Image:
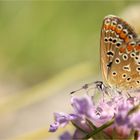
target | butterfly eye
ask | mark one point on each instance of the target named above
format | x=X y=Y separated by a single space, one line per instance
x=107 y=21
x=119 y=26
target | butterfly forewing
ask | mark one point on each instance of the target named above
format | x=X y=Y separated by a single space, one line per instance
x=120 y=60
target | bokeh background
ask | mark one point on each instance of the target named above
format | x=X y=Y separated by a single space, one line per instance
x=47 y=50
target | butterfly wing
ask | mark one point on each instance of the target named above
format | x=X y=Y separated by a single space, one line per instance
x=119 y=49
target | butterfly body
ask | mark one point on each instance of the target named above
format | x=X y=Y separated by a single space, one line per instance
x=120 y=54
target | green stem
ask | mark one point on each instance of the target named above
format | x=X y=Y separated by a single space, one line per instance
x=99 y=129
x=78 y=127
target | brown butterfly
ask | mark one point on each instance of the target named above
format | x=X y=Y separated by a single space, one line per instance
x=119 y=56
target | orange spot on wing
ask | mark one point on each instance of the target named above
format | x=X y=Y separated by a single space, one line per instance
x=129 y=48
x=107 y=27
x=122 y=35
x=127 y=39
x=118 y=31
x=113 y=28
x=137 y=47
x=122 y=50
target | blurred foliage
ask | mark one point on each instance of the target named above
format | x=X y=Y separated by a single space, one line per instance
x=40 y=39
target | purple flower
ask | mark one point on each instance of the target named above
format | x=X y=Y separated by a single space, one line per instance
x=53 y=127
x=135 y=121
x=65 y=136
x=124 y=122
x=90 y=119
x=78 y=134
x=83 y=107
x=61 y=119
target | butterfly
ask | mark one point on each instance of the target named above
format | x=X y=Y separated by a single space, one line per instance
x=119 y=54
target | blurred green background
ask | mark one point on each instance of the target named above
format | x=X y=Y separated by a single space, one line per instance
x=46 y=49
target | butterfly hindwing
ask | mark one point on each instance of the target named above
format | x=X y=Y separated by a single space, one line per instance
x=119 y=43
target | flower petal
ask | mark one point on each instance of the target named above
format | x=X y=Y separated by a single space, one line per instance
x=66 y=136
x=54 y=127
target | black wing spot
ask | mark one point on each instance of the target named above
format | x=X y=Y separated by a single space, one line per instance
x=126 y=68
x=114 y=40
x=109 y=64
x=118 y=44
x=110 y=39
x=110 y=53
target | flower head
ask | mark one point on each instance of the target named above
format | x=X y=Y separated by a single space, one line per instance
x=117 y=115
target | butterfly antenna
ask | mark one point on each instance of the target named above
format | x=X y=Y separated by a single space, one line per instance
x=76 y=91
x=83 y=87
